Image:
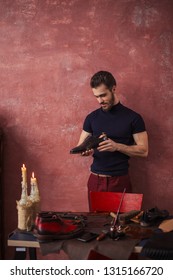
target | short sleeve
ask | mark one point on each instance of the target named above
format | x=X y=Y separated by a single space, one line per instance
x=87 y=124
x=138 y=124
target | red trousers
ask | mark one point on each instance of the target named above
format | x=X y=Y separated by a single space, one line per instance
x=108 y=184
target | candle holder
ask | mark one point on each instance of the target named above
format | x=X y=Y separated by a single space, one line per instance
x=24 y=195
x=35 y=199
x=28 y=206
x=25 y=213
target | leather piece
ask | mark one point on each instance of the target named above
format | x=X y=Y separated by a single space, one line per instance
x=77 y=250
x=166 y=225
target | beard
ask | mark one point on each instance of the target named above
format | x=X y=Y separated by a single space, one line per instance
x=107 y=106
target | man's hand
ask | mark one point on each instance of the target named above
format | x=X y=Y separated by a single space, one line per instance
x=108 y=146
x=139 y=149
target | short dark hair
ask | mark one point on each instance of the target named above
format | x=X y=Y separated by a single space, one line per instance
x=103 y=77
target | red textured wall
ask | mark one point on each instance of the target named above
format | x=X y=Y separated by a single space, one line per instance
x=48 y=52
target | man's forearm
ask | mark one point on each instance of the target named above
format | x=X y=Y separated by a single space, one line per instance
x=132 y=151
x=136 y=150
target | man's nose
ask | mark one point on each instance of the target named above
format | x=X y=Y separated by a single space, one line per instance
x=100 y=100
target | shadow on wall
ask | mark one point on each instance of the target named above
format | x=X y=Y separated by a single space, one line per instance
x=16 y=152
x=14 y=155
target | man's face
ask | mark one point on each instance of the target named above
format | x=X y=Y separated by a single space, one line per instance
x=105 y=96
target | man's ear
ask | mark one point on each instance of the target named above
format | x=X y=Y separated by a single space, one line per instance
x=114 y=88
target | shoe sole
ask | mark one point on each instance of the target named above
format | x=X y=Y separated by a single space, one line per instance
x=49 y=237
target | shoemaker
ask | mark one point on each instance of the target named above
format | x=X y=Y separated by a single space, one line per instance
x=126 y=137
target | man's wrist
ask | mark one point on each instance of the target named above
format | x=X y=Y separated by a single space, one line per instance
x=117 y=147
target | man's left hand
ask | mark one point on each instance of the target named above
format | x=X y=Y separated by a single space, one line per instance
x=108 y=146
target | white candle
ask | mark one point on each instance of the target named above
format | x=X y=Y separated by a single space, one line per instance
x=24 y=176
x=34 y=189
x=33 y=179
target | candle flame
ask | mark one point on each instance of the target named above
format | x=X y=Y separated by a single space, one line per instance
x=32 y=174
x=23 y=165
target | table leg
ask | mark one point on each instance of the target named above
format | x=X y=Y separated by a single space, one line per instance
x=32 y=253
x=20 y=253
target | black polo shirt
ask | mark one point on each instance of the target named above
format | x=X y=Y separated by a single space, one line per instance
x=119 y=123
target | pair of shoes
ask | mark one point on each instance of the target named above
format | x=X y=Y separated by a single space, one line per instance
x=153 y=216
x=91 y=142
x=51 y=226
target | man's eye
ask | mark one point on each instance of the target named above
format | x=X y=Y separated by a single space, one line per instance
x=101 y=96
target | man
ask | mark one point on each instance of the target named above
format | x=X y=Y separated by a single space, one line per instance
x=127 y=137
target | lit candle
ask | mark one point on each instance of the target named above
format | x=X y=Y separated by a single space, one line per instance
x=24 y=177
x=34 y=189
x=33 y=179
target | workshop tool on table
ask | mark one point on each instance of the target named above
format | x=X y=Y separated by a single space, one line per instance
x=125 y=218
x=137 y=218
x=115 y=230
x=102 y=235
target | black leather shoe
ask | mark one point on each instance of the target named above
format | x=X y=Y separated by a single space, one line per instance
x=91 y=142
x=153 y=216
